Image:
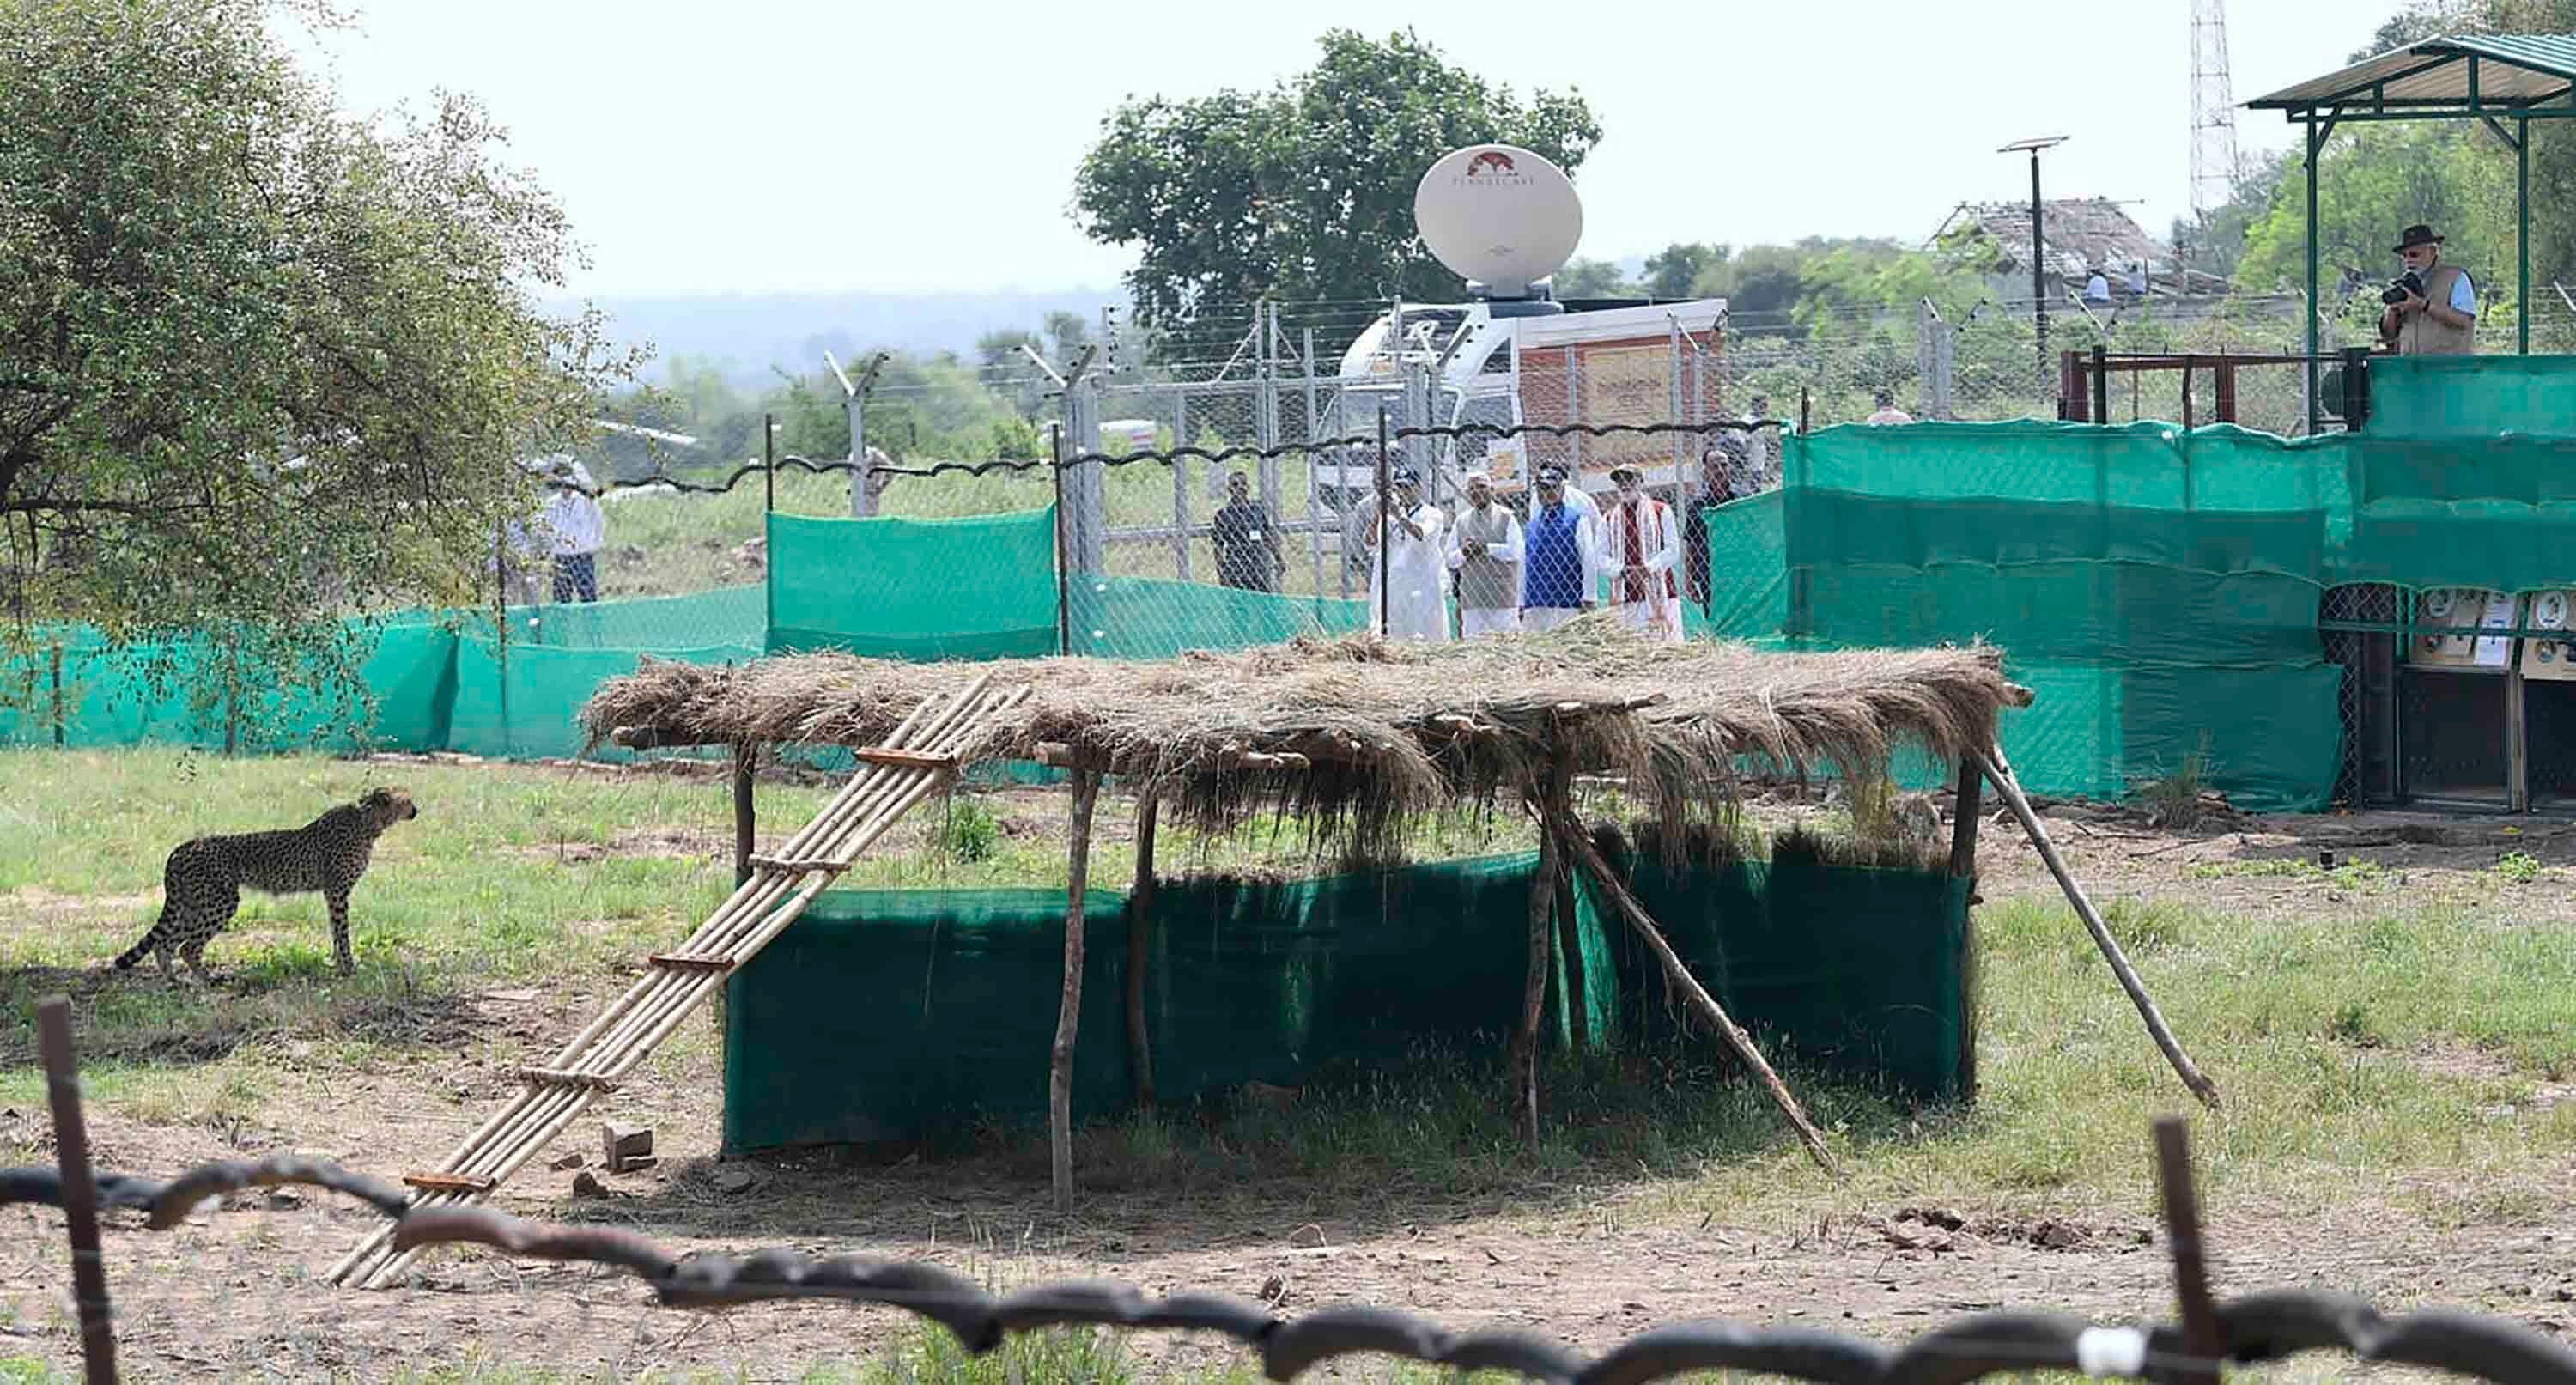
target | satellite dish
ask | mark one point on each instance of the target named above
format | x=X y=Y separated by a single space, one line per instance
x=1498 y=216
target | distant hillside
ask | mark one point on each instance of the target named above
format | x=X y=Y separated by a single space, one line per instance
x=751 y=332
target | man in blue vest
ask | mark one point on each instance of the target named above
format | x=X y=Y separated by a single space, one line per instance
x=1559 y=553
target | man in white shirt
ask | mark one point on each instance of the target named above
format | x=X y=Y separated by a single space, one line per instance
x=578 y=529
x=1641 y=545
x=1485 y=553
x=1887 y=411
x=1416 y=570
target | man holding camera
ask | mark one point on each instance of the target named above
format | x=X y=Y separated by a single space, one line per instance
x=2433 y=307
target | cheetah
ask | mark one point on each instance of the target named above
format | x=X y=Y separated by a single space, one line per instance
x=204 y=877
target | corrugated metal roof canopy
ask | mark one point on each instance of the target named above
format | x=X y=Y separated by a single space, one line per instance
x=2497 y=74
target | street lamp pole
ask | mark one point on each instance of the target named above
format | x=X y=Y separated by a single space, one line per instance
x=2038 y=252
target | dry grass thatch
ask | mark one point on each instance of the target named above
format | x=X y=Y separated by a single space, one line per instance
x=1387 y=731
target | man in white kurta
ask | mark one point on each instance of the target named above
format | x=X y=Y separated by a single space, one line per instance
x=1641 y=544
x=1417 y=568
x=1485 y=554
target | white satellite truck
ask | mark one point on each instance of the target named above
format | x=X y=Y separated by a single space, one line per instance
x=1505 y=219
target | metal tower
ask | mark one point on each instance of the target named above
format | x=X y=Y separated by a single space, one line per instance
x=2213 y=110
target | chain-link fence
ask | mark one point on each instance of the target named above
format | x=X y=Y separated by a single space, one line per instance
x=682 y=564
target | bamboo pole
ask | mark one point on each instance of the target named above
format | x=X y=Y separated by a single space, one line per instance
x=760 y=908
x=1998 y=772
x=1068 y=1015
x=1563 y=827
x=1140 y=930
x=657 y=1007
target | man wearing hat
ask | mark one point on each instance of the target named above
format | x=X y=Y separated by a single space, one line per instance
x=1416 y=571
x=2441 y=318
x=578 y=529
x=1485 y=553
x=1642 y=545
x=1559 y=551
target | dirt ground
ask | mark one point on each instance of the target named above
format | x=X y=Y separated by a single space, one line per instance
x=239 y=1290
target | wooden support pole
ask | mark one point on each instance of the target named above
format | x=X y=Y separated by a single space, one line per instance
x=1140 y=933
x=80 y=1191
x=1542 y=915
x=1967 y=805
x=2182 y=1241
x=744 y=828
x=2000 y=772
x=1564 y=829
x=1068 y=1015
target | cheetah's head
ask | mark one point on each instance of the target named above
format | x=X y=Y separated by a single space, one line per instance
x=386 y=806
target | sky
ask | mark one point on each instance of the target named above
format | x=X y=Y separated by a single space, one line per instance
x=765 y=146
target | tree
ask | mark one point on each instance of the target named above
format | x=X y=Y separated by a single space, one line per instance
x=1304 y=191
x=259 y=363
x=1761 y=281
x=1582 y=278
x=1672 y=273
x=1070 y=332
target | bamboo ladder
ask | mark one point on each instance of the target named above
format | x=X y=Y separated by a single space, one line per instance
x=913 y=763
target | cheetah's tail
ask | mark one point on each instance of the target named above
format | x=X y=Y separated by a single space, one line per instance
x=135 y=953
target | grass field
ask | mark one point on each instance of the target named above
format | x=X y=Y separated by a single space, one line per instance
x=2396 y=1041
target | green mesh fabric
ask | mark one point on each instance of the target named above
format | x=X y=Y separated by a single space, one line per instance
x=1748 y=571
x=2471 y=396
x=1158 y=618
x=107 y=698
x=2138 y=578
x=2491 y=512
x=974 y=588
x=1854 y=971
x=732 y=616
x=521 y=705
x=892 y=1015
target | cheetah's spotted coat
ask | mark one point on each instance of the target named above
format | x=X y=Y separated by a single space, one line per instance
x=204 y=877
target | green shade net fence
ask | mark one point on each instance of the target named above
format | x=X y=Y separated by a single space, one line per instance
x=2160 y=590
x=897 y=1015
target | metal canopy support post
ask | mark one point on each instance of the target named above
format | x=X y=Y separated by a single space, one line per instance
x=2522 y=235
x=2315 y=145
x=1314 y=509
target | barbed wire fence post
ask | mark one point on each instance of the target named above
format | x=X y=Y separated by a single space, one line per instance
x=854 y=400
x=79 y=1189
x=1316 y=429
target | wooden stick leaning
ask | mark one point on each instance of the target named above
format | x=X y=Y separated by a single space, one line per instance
x=1999 y=773
x=618 y=1039
x=1580 y=848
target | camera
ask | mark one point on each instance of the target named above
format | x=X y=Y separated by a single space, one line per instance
x=2401 y=287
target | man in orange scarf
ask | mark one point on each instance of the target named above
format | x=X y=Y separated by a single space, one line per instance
x=1641 y=545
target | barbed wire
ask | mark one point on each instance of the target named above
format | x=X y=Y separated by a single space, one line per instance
x=1169 y=455
x=2252 y=1329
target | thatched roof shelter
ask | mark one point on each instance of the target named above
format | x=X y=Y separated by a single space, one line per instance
x=1354 y=735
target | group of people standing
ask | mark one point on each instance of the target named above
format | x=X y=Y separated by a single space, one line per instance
x=1568 y=557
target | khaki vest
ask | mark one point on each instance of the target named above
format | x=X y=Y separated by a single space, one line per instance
x=1487 y=583
x=2420 y=335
